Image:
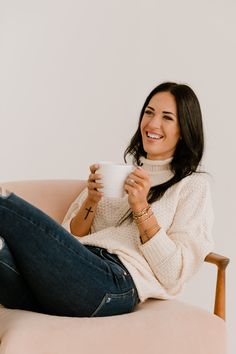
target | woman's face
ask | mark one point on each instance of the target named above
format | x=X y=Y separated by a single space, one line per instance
x=160 y=127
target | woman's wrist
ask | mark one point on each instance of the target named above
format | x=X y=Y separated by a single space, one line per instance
x=91 y=202
x=147 y=234
x=146 y=223
x=137 y=208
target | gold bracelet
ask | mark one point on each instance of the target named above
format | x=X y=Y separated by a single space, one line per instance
x=140 y=216
x=141 y=213
x=141 y=222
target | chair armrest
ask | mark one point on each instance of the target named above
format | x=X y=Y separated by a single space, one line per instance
x=221 y=262
x=217 y=259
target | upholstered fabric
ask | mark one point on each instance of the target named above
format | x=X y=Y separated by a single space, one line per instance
x=156 y=327
x=165 y=327
x=52 y=196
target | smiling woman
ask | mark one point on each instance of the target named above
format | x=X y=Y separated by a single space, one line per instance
x=97 y=263
x=170 y=126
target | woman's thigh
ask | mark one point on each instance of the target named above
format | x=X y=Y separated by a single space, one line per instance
x=123 y=297
x=65 y=277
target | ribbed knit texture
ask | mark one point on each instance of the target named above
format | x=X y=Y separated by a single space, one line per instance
x=161 y=266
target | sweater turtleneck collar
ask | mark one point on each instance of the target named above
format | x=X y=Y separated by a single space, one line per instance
x=158 y=170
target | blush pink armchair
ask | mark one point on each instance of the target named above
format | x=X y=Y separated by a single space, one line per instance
x=156 y=327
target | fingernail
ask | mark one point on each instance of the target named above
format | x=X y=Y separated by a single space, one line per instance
x=140 y=168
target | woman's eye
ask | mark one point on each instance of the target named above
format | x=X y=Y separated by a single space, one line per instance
x=168 y=118
x=148 y=112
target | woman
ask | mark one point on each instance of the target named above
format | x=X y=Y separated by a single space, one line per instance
x=112 y=253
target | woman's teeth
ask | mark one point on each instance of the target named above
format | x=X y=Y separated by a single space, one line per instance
x=154 y=136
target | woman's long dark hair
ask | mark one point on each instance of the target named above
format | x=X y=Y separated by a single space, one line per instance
x=189 y=149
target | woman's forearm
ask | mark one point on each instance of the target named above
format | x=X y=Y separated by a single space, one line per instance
x=147 y=223
x=81 y=223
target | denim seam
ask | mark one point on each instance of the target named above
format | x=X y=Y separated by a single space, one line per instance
x=114 y=296
x=54 y=237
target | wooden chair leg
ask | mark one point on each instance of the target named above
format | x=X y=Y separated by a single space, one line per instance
x=219 y=309
x=221 y=262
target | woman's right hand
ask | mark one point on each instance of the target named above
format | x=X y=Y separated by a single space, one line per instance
x=93 y=194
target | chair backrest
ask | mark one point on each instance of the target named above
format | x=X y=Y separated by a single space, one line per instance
x=52 y=196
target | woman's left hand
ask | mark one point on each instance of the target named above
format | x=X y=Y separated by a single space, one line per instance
x=137 y=185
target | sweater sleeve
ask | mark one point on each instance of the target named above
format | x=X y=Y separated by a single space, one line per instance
x=73 y=209
x=176 y=254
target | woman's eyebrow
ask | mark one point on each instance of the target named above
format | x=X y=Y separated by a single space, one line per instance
x=151 y=108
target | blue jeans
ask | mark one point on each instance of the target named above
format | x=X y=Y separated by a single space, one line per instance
x=44 y=268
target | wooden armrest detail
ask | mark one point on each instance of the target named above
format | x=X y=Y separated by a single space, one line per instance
x=221 y=262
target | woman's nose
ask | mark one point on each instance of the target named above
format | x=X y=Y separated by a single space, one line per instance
x=156 y=122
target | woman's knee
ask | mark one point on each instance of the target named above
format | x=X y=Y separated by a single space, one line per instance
x=6 y=258
x=4 y=192
x=1 y=243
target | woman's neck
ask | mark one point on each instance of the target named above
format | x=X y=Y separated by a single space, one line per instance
x=158 y=170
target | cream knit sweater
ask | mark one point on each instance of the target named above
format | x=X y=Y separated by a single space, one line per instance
x=161 y=266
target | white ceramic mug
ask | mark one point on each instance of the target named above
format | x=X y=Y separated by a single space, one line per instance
x=113 y=178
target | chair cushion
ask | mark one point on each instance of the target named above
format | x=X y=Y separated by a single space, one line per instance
x=165 y=327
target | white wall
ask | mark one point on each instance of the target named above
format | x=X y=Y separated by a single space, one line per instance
x=74 y=75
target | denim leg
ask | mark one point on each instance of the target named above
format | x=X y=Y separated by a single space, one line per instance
x=14 y=292
x=64 y=276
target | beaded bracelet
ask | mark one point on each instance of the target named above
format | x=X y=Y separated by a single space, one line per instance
x=141 y=222
x=141 y=213
x=140 y=216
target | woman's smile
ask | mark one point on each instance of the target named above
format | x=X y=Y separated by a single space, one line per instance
x=154 y=137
